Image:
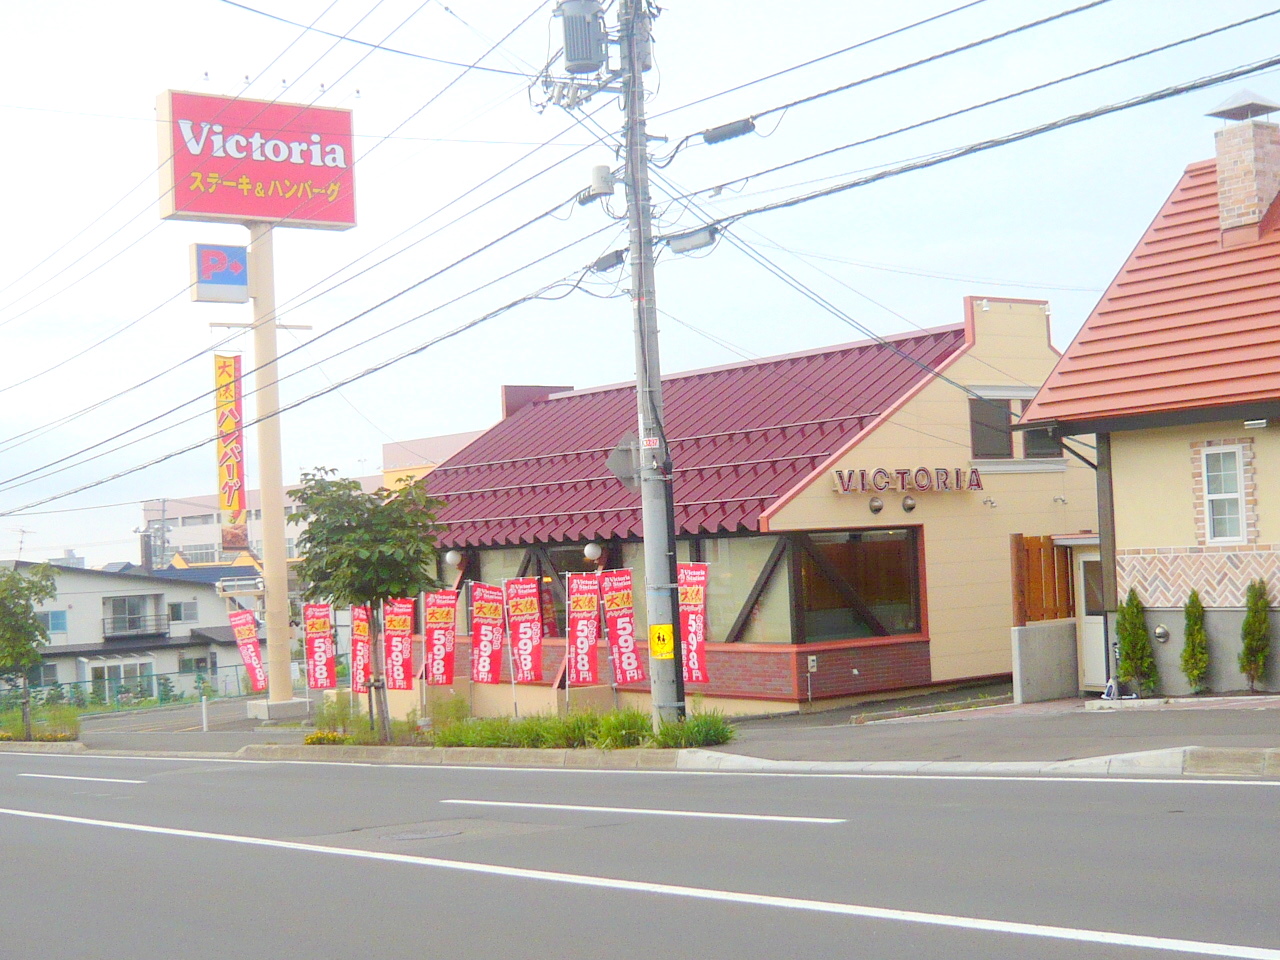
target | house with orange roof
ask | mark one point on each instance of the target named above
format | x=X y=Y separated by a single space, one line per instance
x=1177 y=373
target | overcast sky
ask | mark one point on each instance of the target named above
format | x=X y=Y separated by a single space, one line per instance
x=86 y=256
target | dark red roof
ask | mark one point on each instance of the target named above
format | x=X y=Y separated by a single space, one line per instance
x=740 y=436
x=1189 y=323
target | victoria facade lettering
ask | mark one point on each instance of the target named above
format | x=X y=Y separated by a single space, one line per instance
x=908 y=479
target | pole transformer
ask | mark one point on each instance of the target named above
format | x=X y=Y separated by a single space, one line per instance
x=666 y=678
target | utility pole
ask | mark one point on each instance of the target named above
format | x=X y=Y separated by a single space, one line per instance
x=657 y=508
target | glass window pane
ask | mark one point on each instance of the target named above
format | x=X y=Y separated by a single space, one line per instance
x=1221 y=475
x=1091 y=573
x=733 y=566
x=989 y=428
x=878 y=590
x=1039 y=443
x=1224 y=519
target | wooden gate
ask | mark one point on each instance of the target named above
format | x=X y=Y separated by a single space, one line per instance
x=1042 y=582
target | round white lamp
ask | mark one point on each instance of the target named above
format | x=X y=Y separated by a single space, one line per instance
x=453 y=558
x=593 y=551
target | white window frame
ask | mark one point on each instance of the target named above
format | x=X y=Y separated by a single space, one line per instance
x=1210 y=498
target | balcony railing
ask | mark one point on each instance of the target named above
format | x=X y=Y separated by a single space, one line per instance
x=130 y=625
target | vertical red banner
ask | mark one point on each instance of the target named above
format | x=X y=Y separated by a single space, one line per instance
x=440 y=635
x=244 y=626
x=397 y=643
x=524 y=619
x=317 y=619
x=486 y=633
x=620 y=619
x=361 y=650
x=583 y=628
x=691 y=579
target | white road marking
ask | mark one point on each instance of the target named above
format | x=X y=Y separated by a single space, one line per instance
x=1043 y=931
x=54 y=776
x=644 y=811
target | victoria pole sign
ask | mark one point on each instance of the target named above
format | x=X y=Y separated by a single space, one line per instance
x=243 y=161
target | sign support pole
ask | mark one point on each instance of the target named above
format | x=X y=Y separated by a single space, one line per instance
x=270 y=478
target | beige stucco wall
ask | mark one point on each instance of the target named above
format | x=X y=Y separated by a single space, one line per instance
x=968 y=593
x=1152 y=480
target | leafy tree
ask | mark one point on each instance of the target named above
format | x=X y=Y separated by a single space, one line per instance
x=1195 y=648
x=1255 y=632
x=363 y=548
x=1137 y=659
x=21 y=632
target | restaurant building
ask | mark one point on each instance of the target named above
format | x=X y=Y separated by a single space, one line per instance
x=854 y=505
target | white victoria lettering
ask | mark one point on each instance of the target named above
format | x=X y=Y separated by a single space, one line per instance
x=312 y=151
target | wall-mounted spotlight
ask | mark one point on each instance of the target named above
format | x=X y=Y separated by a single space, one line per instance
x=908 y=503
x=875 y=504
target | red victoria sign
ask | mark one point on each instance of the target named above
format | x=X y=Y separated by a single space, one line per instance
x=361 y=650
x=486 y=633
x=691 y=578
x=223 y=158
x=441 y=614
x=620 y=618
x=317 y=619
x=397 y=639
x=584 y=627
x=244 y=627
x=524 y=618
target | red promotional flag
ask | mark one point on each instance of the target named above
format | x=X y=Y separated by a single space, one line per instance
x=691 y=579
x=524 y=619
x=620 y=618
x=441 y=615
x=486 y=633
x=317 y=621
x=244 y=625
x=397 y=641
x=361 y=650
x=584 y=627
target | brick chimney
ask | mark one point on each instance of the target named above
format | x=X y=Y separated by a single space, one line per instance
x=1248 y=152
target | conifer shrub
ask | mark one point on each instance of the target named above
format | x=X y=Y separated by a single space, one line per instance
x=1137 y=665
x=1195 y=648
x=1255 y=633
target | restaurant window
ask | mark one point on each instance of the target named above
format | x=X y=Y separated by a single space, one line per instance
x=989 y=429
x=860 y=583
x=1224 y=495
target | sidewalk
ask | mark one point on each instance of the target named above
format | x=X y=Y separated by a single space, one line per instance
x=1218 y=736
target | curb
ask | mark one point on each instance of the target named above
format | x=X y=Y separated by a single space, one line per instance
x=27 y=746
x=467 y=756
x=1254 y=702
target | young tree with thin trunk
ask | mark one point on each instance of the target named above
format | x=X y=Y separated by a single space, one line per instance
x=1255 y=632
x=364 y=548
x=1195 y=646
x=1137 y=660
x=21 y=632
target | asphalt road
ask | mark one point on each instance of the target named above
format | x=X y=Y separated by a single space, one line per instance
x=111 y=857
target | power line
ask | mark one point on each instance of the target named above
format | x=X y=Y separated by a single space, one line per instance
x=134 y=188
x=377 y=46
x=149 y=204
x=19 y=480
x=931 y=59
x=179 y=293
x=983 y=145
x=825 y=56
x=1002 y=99
x=542 y=293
